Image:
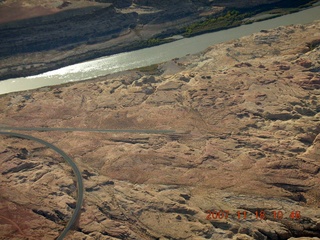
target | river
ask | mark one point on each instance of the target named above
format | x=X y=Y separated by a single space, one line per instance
x=144 y=57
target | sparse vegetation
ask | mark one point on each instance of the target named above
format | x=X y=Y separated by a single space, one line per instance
x=156 y=41
x=151 y=69
x=229 y=19
x=233 y=17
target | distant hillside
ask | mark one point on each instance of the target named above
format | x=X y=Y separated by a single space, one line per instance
x=38 y=36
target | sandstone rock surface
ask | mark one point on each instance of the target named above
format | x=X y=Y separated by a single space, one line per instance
x=247 y=139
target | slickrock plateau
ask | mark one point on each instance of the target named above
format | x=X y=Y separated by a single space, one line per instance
x=246 y=116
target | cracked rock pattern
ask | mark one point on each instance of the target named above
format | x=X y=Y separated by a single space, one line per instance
x=247 y=139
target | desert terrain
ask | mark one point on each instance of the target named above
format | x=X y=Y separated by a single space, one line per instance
x=246 y=140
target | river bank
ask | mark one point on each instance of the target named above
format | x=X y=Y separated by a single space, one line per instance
x=25 y=49
x=153 y=55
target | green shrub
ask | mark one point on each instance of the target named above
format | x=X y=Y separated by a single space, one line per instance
x=229 y=19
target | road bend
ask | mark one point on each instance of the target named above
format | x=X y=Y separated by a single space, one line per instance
x=5 y=130
x=48 y=129
x=75 y=169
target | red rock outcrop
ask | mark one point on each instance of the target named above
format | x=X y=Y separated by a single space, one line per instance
x=246 y=120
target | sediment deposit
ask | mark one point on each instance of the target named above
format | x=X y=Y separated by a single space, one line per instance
x=247 y=138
